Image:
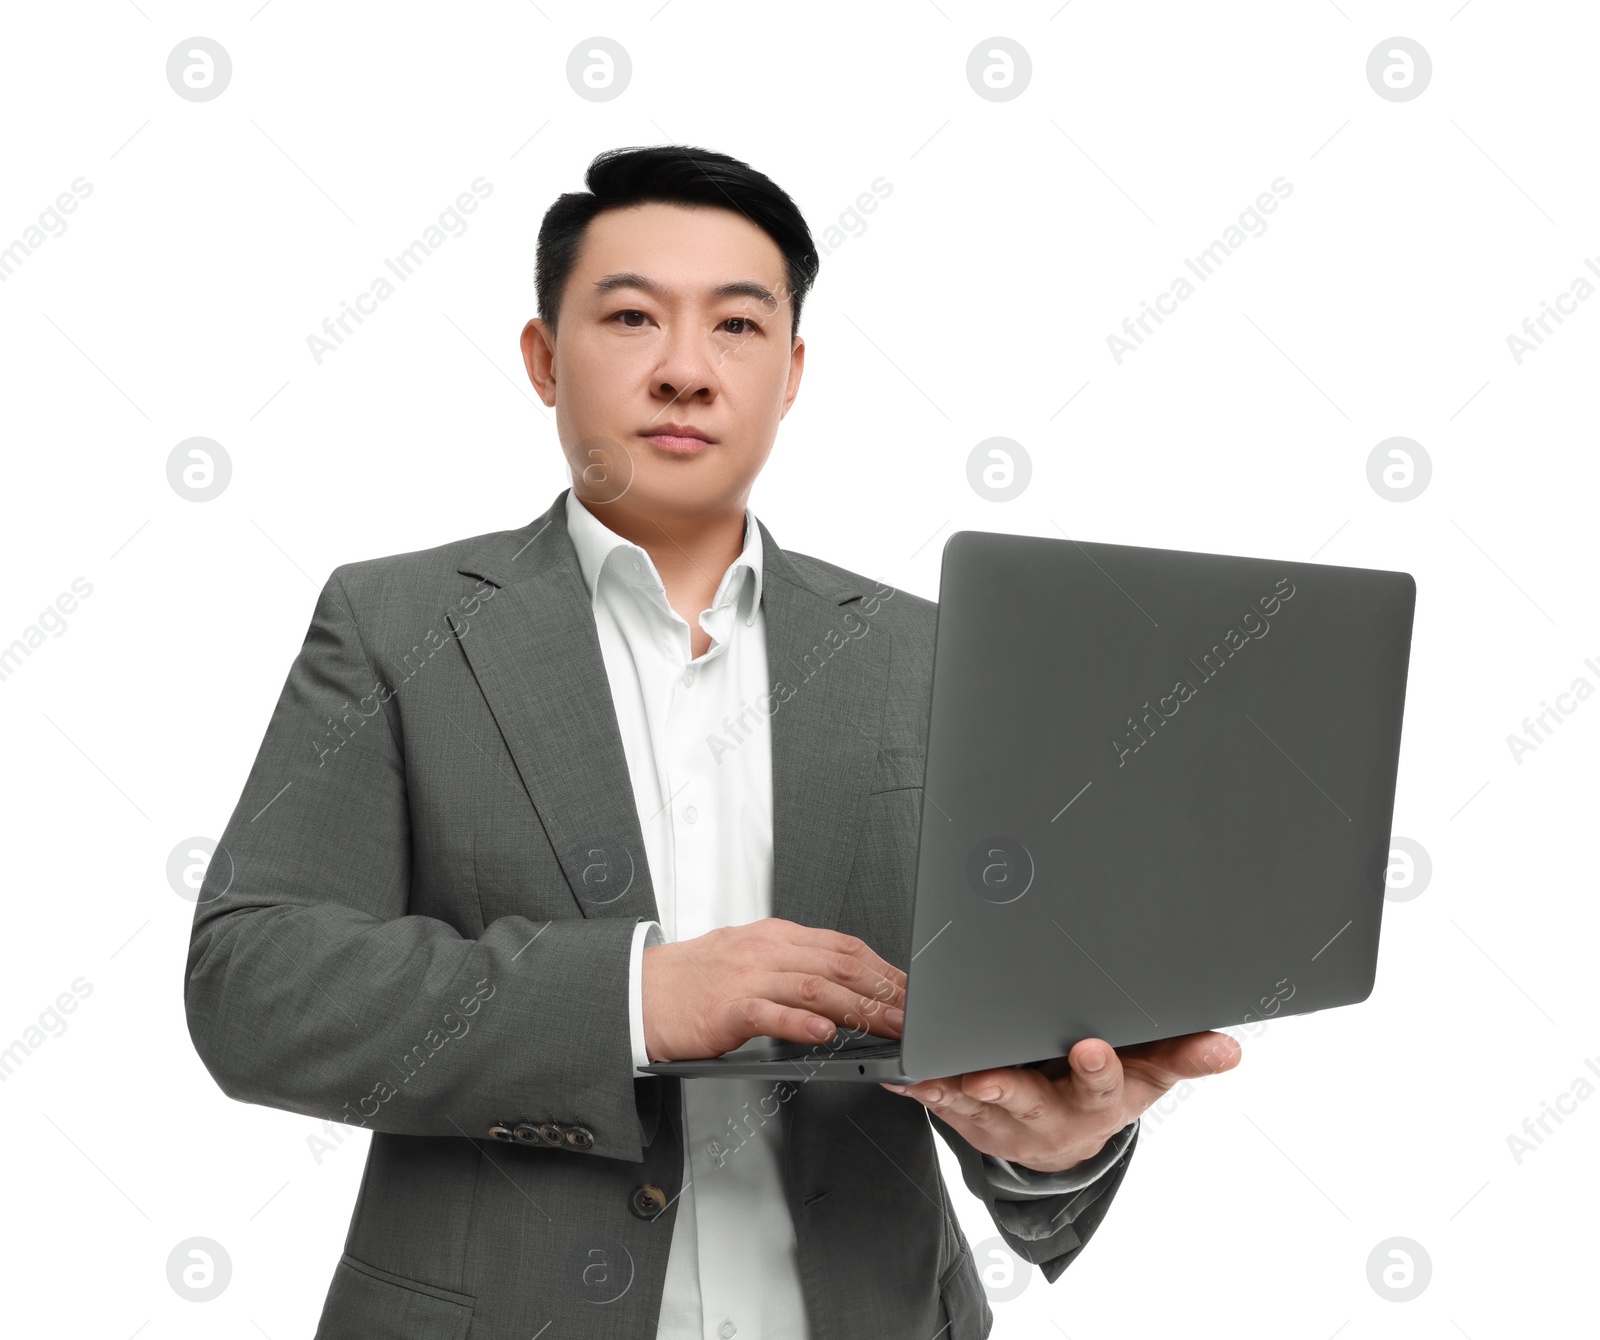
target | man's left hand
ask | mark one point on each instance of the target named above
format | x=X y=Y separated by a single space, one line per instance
x=1053 y=1117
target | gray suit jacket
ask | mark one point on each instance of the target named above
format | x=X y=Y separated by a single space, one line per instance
x=418 y=920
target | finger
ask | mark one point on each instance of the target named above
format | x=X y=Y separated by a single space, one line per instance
x=1152 y=1068
x=1208 y=1054
x=1192 y=1056
x=855 y=973
x=1023 y=1095
x=952 y=1098
x=882 y=1021
x=817 y=937
x=819 y=994
x=953 y=1106
x=754 y=1016
x=814 y=987
x=858 y=948
x=1096 y=1073
x=841 y=959
x=987 y=1126
x=929 y=1092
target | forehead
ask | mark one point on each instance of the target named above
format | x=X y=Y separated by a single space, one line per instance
x=680 y=246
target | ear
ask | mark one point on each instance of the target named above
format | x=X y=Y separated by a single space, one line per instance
x=797 y=365
x=539 y=357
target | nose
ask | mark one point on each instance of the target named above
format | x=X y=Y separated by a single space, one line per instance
x=688 y=368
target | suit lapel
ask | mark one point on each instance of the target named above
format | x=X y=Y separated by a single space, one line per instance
x=536 y=655
x=823 y=736
x=535 y=652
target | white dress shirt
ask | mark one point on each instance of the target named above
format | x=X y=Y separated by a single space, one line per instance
x=706 y=817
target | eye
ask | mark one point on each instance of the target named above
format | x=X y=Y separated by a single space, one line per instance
x=748 y=326
x=630 y=312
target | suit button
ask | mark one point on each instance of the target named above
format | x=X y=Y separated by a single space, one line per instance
x=580 y=1137
x=647 y=1200
x=526 y=1134
x=499 y=1132
x=550 y=1134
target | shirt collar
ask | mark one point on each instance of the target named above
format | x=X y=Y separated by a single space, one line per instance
x=599 y=547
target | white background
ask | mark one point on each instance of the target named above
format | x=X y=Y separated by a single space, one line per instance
x=976 y=302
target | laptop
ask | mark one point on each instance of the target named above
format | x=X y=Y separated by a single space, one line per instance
x=1157 y=800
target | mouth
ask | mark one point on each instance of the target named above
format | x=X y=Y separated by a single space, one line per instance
x=677 y=439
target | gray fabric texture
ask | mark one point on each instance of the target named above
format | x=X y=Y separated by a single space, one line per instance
x=418 y=920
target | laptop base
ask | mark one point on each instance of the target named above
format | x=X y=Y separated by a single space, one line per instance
x=850 y=1056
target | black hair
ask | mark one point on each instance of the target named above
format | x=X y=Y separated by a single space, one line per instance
x=679 y=174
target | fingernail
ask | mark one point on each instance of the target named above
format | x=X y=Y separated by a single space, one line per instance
x=989 y=1092
x=896 y=1017
x=934 y=1094
x=1095 y=1060
x=895 y=1088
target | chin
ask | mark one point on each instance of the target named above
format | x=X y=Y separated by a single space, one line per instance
x=683 y=486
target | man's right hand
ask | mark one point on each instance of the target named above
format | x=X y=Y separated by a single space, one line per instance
x=770 y=978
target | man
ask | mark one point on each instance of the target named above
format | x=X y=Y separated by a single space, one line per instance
x=630 y=783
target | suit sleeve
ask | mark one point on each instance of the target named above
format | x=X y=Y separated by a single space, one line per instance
x=1047 y=1229
x=312 y=988
x=1013 y=1181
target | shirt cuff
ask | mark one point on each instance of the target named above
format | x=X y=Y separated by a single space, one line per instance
x=1018 y=1183
x=645 y=934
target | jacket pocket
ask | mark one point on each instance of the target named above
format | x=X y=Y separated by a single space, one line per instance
x=899 y=767
x=964 y=1301
x=366 y=1303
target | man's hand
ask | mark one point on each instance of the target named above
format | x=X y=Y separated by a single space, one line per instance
x=1054 y=1117
x=771 y=978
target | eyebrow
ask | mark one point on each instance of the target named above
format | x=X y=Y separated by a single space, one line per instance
x=736 y=288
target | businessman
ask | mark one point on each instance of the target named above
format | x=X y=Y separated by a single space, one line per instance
x=631 y=783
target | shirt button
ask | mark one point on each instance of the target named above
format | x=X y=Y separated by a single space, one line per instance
x=636 y=566
x=726 y=1330
x=688 y=676
x=690 y=814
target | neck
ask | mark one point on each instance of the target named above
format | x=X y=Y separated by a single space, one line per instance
x=691 y=550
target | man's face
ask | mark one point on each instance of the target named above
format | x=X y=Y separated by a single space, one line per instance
x=673 y=318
